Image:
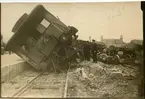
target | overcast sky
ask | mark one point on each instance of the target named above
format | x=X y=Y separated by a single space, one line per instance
x=91 y=19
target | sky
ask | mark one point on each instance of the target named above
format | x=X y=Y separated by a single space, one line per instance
x=91 y=19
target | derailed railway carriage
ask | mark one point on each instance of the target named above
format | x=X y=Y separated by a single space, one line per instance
x=43 y=40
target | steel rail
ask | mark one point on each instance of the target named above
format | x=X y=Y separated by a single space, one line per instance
x=26 y=86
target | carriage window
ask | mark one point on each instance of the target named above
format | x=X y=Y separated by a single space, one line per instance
x=42 y=26
x=45 y=23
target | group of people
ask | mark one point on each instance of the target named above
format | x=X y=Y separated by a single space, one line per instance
x=90 y=51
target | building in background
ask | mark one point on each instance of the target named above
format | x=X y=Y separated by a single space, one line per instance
x=136 y=41
x=114 y=42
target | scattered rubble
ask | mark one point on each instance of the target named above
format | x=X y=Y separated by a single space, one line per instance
x=103 y=80
x=88 y=80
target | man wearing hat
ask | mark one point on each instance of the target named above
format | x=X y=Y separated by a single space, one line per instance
x=94 y=51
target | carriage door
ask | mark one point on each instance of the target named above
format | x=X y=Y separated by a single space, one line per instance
x=35 y=53
x=47 y=42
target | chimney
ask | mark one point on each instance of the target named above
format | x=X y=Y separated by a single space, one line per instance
x=101 y=38
x=121 y=37
x=90 y=38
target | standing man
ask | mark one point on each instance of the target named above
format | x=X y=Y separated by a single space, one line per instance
x=94 y=51
x=86 y=51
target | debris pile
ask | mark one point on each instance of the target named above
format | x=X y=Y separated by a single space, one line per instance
x=103 y=80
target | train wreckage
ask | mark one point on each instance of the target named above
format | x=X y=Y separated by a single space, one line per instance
x=43 y=40
x=46 y=43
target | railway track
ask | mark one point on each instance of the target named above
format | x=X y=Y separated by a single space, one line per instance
x=45 y=85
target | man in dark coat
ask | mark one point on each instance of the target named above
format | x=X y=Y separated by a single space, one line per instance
x=86 y=51
x=94 y=51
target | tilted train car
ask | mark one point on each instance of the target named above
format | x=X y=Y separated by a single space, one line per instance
x=42 y=40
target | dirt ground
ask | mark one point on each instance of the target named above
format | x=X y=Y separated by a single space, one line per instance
x=101 y=80
x=48 y=85
x=10 y=87
x=97 y=80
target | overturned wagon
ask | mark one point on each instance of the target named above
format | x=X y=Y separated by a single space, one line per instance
x=43 y=40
